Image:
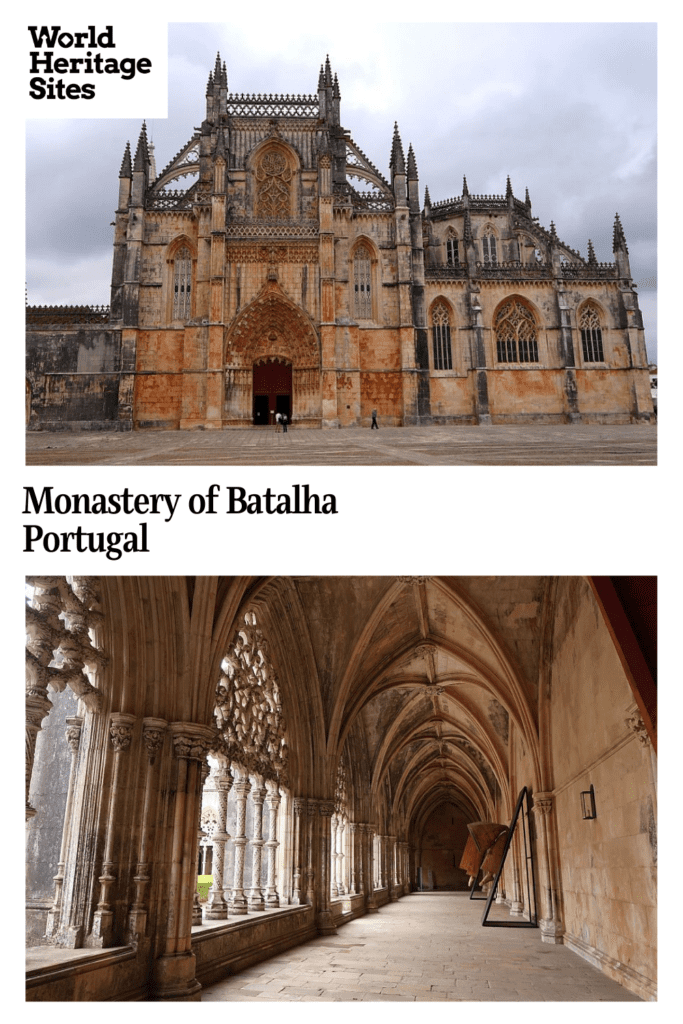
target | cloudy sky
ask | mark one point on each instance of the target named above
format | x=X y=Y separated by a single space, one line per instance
x=567 y=110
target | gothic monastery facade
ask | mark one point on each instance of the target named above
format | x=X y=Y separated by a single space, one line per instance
x=271 y=267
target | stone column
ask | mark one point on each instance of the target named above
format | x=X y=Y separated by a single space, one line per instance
x=196 y=904
x=354 y=836
x=550 y=922
x=325 y=920
x=299 y=807
x=258 y=793
x=393 y=868
x=121 y=733
x=217 y=907
x=174 y=969
x=238 y=901
x=368 y=851
x=153 y=730
x=38 y=706
x=273 y=801
x=73 y=737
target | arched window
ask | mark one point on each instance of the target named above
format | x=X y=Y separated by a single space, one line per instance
x=488 y=246
x=452 y=254
x=182 y=284
x=441 y=337
x=591 y=335
x=516 y=336
x=362 y=273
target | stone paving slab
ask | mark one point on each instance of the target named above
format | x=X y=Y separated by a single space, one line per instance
x=571 y=445
x=455 y=960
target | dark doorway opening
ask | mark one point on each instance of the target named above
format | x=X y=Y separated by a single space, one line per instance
x=272 y=391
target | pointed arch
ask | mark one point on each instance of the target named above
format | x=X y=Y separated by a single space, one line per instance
x=590 y=319
x=441 y=318
x=181 y=264
x=515 y=324
x=364 y=262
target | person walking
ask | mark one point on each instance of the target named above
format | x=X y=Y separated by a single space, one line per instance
x=284 y=423
x=278 y=421
x=374 y=425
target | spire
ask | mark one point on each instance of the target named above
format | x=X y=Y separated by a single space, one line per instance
x=141 y=162
x=224 y=76
x=321 y=78
x=508 y=189
x=428 y=202
x=126 y=168
x=619 y=240
x=591 y=252
x=328 y=71
x=527 y=200
x=335 y=90
x=209 y=85
x=397 y=162
x=412 y=165
x=553 y=232
x=217 y=70
x=465 y=190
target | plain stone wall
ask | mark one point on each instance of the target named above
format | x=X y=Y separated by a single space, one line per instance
x=608 y=864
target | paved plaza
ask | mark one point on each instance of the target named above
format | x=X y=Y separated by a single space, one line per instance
x=571 y=445
x=428 y=946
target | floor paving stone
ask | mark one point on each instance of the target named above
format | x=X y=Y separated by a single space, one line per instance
x=571 y=444
x=455 y=960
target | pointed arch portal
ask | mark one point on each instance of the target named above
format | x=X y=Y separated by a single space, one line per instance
x=272 y=363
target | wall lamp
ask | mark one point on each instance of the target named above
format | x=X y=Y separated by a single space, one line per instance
x=588 y=804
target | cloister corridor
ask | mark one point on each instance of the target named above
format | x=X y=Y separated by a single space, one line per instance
x=429 y=946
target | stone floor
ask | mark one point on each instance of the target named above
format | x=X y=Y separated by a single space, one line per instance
x=573 y=445
x=428 y=946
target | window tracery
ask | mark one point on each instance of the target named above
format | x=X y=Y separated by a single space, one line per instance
x=441 y=337
x=362 y=273
x=516 y=334
x=182 y=284
x=273 y=186
x=488 y=245
x=591 y=335
x=452 y=252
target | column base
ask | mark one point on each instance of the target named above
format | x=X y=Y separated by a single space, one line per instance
x=516 y=908
x=552 y=932
x=325 y=923
x=174 y=979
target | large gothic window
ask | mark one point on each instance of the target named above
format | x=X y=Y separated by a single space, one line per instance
x=441 y=335
x=273 y=186
x=516 y=335
x=182 y=284
x=452 y=255
x=591 y=335
x=488 y=245
x=362 y=273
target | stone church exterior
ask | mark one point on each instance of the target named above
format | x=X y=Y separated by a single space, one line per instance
x=271 y=267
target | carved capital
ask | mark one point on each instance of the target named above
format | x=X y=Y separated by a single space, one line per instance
x=73 y=733
x=153 y=730
x=121 y=730
x=543 y=802
x=325 y=808
x=191 y=741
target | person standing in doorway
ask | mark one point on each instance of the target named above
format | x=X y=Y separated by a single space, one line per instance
x=284 y=423
x=278 y=420
x=374 y=425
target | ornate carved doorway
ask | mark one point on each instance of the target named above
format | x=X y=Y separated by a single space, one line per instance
x=272 y=390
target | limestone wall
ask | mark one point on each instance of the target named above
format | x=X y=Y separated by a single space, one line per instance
x=608 y=865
